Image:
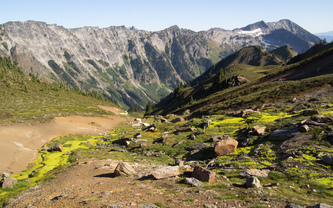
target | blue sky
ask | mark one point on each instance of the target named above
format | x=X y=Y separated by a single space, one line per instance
x=153 y=15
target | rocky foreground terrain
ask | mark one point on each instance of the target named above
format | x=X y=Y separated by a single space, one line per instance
x=275 y=155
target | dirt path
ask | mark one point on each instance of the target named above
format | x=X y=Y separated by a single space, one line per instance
x=93 y=184
x=19 y=143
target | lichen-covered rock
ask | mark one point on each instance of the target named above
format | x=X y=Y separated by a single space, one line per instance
x=225 y=146
x=283 y=134
x=254 y=172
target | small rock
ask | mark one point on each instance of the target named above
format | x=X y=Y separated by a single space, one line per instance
x=131 y=204
x=137 y=120
x=163 y=120
x=292 y=100
x=210 y=206
x=178 y=119
x=8 y=182
x=116 y=205
x=124 y=169
x=205 y=124
x=252 y=182
x=327 y=160
x=321 y=119
x=105 y=193
x=313 y=99
x=187 y=111
x=310 y=112
x=5 y=175
x=203 y=174
x=166 y=172
x=56 y=148
x=292 y=205
x=136 y=125
x=179 y=162
x=321 y=205
x=194 y=182
x=271 y=184
x=257 y=130
x=255 y=172
x=148 y=205
x=304 y=128
x=192 y=136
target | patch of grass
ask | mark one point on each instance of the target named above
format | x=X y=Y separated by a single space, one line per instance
x=188 y=200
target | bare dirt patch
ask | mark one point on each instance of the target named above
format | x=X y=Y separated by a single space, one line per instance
x=19 y=142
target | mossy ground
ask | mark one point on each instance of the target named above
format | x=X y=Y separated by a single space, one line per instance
x=294 y=175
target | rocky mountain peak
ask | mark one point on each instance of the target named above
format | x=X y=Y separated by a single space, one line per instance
x=132 y=66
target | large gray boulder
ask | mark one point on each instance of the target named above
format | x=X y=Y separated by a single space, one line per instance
x=283 y=134
x=166 y=172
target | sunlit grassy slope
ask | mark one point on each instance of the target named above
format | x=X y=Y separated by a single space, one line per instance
x=27 y=98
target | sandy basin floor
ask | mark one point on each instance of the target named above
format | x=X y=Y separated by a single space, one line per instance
x=19 y=143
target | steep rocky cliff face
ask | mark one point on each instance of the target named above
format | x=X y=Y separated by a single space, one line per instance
x=132 y=66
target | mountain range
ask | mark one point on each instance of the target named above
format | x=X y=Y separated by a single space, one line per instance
x=130 y=66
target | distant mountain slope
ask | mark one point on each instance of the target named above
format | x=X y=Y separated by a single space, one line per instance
x=328 y=36
x=132 y=67
x=253 y=55
x=246 y=85
x=284 y=53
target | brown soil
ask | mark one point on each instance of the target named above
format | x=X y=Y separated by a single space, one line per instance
x=19 y=142
x=93 y=184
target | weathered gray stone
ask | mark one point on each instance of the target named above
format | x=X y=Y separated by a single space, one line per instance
x=124 y=169
x=205 y=124
x=166 y=172
x=295 y=142
x=254 y=172
x=210 y=206
x=252 y=182
x=56 y=148
x=327 y=159
x=321 y=205
x=304 y=128
x=257 y=130
x=283 y=134
x=225 y=146
x=310 y=112
x=321 y=119
x=203 y=174
x=8 y=182
x=178 y=119
x=194 y=182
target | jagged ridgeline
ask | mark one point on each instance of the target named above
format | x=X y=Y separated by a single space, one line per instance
x=132 y=67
